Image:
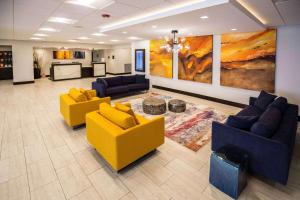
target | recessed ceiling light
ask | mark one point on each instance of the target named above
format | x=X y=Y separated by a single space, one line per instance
x=62 y=20
x=114 y=40
x=73 y=40
x=41 y=35
x=85 y=3
x=204 y=17
x=99 y=34
x=35 y=38
x=154 y=26
x=124 y=32
x=134 y=38
x=100 y=42
x=83 y=38
x=233 y=29
x=48 y=29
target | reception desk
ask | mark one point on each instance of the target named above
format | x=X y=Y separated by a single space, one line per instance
x=65 y=71
x=99 y=69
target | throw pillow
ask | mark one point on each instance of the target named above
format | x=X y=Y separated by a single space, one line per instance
x=86 y=93
x=241 y=122
x=119 y=118
x=263 y=100
x=280 y=103
x=126 y=109
x=77 y=95
x=268 y=122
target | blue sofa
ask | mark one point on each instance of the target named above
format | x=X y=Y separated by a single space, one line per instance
x=269 y=156
x=120 y=85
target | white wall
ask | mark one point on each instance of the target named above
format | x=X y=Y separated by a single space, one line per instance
x=287 y=71
x=23 y=55
x=45 y=57
x=122 y=54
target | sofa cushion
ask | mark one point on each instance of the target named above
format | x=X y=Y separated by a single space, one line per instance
x=140 y=78
x=263 y=100
x=280 y=103
x=250 y=111
x=77 y=95
x=128 y=79
x=113 y=81
x=268 y=122
x=138 y=86
x=117 y=90
x=241 y=122
x=126 y=109
x=119 y=118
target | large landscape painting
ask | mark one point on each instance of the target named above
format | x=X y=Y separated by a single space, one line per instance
x=160 y=59
x=248 y=60
x=195 y=59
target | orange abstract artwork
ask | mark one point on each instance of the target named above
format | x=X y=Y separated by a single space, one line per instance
x=248 y=60
x=160 y=59
x=62 y=55
x=195 y=59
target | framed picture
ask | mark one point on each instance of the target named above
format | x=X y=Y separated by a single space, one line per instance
x=140 y=60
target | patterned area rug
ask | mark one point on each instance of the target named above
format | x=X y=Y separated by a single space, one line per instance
x=191 y=129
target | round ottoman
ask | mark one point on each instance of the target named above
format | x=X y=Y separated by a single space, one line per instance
x=177 y=105
x=154 y=106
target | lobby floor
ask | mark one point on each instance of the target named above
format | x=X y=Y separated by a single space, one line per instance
x=42 y=158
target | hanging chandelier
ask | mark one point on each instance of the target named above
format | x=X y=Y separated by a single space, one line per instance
x=175 y=44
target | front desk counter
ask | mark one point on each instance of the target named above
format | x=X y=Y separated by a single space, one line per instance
x=65 y=71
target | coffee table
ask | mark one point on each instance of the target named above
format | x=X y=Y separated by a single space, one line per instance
x=154 y=106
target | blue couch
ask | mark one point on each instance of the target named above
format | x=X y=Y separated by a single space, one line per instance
x=269 y=156
x=120 y=85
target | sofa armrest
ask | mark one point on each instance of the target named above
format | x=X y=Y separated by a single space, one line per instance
x=140 y=140
x=268 y=157
x=100 y=89
x=252 y=101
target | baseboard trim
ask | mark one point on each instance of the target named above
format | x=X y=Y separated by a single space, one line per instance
x=226 y=102
x=118 y=73
x=22 y=82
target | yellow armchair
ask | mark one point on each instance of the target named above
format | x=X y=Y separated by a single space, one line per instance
x=121 y=147
x=74 y=112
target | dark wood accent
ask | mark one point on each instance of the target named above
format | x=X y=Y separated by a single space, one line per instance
x=226 y=102
x=37 y=73
x=6 y=73
x=104 y=68
x=87 y=72
x=23 y=82
x=124 y=73
x=144 y=63
x=298 y=118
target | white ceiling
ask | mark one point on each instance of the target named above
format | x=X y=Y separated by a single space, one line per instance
x=20 y=19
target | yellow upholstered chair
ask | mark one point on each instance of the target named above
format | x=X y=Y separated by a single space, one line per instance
x=77 y=103
x=117 y=137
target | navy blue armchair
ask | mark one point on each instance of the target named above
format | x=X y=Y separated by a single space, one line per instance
x=120 y=85
x=268 y=157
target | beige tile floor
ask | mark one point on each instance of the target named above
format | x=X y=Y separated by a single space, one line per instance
x=41 y=158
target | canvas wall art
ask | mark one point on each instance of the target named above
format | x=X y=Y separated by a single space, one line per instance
x=248 y=60
x=160 y=59
x=195 y=59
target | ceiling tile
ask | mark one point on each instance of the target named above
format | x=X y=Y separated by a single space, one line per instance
x=141 y=4
x=119 y=10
